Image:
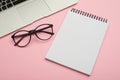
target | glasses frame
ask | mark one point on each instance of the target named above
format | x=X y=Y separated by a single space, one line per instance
x=31 y=32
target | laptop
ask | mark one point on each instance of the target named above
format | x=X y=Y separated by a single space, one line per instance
x=15 y=14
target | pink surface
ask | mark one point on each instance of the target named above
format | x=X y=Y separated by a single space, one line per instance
x=29 y=63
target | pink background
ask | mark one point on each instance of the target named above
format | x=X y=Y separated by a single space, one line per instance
x=29 y=63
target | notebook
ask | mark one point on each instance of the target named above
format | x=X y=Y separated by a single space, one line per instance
x=78 y=41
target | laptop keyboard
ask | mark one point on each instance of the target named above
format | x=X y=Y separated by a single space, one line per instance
x=5 y=4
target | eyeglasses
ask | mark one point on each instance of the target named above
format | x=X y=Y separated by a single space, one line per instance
x=23 y=37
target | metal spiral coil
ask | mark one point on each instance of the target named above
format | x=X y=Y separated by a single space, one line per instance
x=89 y=15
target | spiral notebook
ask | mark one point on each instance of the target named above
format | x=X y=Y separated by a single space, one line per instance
x=78 y=41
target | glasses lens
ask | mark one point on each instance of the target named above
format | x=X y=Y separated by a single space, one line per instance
x=22 y=38
x=44 y=32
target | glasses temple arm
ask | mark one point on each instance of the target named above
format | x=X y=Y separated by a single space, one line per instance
x=51 y=33
x=21 y=35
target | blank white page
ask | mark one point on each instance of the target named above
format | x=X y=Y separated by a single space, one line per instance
x=78 y=41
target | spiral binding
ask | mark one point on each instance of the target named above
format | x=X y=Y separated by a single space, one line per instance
x=89 y=15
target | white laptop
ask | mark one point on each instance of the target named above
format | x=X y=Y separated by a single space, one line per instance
x=15 y=14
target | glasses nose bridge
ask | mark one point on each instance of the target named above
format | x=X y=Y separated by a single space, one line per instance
x=32 y=31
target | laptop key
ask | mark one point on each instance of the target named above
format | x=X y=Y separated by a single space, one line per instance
x=0 y=9
x=4 y=7
x=3 y=3
x=9 y=5
x=7 y=1
x=13 y=0
x=0 y=4
x=18 y=1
